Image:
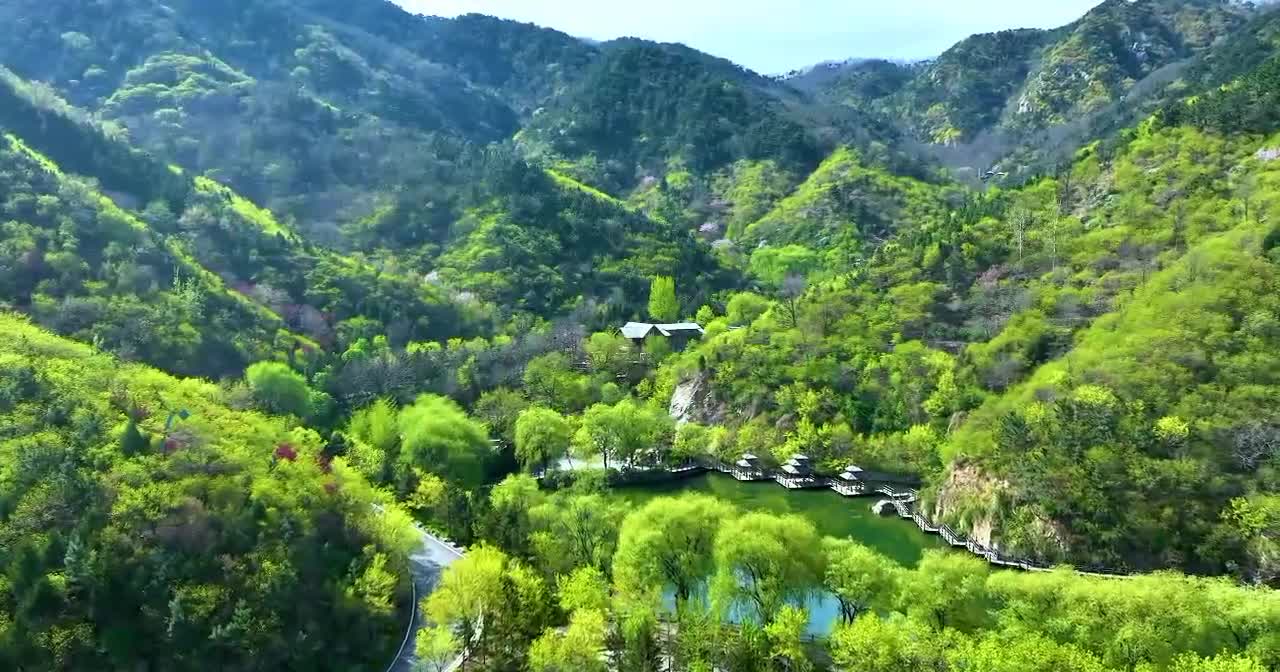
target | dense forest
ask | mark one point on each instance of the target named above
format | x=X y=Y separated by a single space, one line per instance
x=281 y=278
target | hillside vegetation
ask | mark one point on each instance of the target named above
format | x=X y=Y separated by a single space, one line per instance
x=392 y=253
x=133 y=538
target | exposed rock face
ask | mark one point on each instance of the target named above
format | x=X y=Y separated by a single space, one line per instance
x=968 y=497
x=969 y=500
x=694 y=401
x=1268 y=154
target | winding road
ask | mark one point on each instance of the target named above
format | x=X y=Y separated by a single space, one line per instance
x=427 y=564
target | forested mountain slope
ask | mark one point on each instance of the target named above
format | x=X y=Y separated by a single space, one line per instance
x=133 y=537
x=187 y=275
x=417 y=237
x=995 y=96
x=1082 y=363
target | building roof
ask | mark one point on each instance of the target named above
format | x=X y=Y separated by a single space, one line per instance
x=642 y=329
x=680 y=327
x=636 y=329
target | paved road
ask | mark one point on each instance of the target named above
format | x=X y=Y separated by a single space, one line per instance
x=427 y=563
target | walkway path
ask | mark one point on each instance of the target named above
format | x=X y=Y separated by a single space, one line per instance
x=427 y=564
x=904 y=502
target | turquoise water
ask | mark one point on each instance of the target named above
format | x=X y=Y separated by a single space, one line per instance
x=832 y=514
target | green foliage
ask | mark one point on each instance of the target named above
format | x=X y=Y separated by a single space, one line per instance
x=577 y=648
x=628 y=433
x=764 y=562
x=643 y=104
x=663 y=305
x=376 y=436
x=279 y=389
x=550 y=380
x=542 y=436
x=437 y=436
x=165 y=544
x=858 y=577
x=669 y=544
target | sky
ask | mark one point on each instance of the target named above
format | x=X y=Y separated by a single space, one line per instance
x=775 y=36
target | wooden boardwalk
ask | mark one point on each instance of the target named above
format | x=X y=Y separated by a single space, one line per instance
x=904 y=502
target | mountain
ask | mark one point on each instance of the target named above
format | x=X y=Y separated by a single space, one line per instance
x=996 y=93
x=148 y=262
x=402 y=246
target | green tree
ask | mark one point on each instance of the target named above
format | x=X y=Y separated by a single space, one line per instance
x=279 y=389
x=627 y=432
x=948 y=590
x=435 y=648
x=670 y=543
x=550 y=381
x=1015 y=651
x=764 y=561
x=860 y=578
x=786 y=640
x=663 y=305
x=438 y=437
x=468 y=590
x=586 y=588
x=773 y=265
x=542 y=436
x=580 y=648
x=610 y=352
x=499 y=409
x=574 y=530
x=132 y=440
x=893 y=644
x=375 y=434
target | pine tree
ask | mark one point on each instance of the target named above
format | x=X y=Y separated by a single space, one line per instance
x=663 y=305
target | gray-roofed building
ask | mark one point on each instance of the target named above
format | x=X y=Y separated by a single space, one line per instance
x=679 y=333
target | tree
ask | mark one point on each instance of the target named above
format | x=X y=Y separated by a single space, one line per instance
x=745 y=307
x=860 y=578
x=579 y=649
x=610 y=353
x=132 y=440
x=573 y=530
x=786 y=640
x=894 y=644
x=438 y=437
x=1015 y=651
x=586 y=588
x=947 y=590
x=774 y=265
x=499 y=409
x=542 y=435
x=435 y=648
x=669 y=543
x=764 y=561
x=627 y=431
x=507 y=522
x=468 y=590
x=279 y=389
x=663 y=305
x=550 y=381
x=376 y=434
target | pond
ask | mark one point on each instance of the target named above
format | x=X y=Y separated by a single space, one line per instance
x=832 y=514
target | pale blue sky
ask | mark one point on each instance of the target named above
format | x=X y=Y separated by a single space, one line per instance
x=773 y=36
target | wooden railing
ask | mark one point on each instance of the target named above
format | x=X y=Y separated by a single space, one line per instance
x=903 y=501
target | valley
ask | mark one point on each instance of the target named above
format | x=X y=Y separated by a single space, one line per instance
x=280 y=278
